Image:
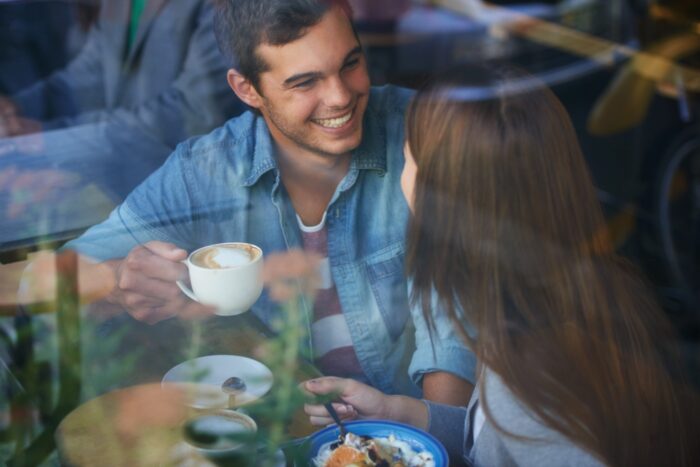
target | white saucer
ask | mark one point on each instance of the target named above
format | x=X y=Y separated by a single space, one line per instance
x=203 y=376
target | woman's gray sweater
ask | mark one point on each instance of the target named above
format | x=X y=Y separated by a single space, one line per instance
x=455 y=428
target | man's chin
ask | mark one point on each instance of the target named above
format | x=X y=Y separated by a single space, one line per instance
x=339 y=148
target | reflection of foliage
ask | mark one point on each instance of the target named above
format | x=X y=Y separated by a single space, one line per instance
x=283 y=356
x=32 y=446
x=69 y=344
x=108 y=365
x=51 y=341
x=274 y=414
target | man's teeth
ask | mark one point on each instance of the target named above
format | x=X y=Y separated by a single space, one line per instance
x=335 y=122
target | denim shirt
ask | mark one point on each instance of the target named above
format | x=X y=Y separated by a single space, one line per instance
x=225 y=187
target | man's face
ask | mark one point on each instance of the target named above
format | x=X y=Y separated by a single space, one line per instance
x=315 y=91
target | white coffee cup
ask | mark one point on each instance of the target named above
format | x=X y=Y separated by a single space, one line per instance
x=232 y=286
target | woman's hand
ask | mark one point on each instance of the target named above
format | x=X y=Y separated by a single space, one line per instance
x=359 y=401
x=354 y=400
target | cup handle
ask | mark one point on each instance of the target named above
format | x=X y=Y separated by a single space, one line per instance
x=186 y=290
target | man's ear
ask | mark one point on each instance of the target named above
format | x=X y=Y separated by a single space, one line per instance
x=244 y=89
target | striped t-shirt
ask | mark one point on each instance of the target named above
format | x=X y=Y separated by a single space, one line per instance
x=334 y=353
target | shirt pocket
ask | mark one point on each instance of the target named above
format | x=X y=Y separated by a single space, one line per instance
x=388 y=283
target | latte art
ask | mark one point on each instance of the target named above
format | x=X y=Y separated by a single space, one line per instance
x=225 y=256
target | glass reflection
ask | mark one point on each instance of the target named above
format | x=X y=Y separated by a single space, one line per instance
x=93 y=101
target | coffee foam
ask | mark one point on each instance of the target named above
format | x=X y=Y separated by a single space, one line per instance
x=225 y=256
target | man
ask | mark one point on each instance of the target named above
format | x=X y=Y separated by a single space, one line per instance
x=316 y=165
x=147 y=78
x=152 y=64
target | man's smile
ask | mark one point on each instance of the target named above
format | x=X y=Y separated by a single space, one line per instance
x=335 y=122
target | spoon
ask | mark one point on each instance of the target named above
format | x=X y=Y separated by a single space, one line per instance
x=334 y=415
x=233 y=386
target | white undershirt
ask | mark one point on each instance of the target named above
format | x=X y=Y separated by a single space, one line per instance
x=479 y=420
x=324 y=267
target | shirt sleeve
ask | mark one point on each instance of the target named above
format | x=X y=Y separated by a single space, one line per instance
x=449 y=425
x=78 y=87
x=161 y=208
x=197 y=100
x=443 y=350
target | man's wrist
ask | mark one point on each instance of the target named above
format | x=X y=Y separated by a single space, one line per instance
x=113 y=295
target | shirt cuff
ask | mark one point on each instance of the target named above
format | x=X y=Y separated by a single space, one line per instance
x=459 y=361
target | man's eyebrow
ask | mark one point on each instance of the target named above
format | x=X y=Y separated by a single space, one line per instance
x=317 y=74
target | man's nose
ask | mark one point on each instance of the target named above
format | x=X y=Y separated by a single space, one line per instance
x=338 y=93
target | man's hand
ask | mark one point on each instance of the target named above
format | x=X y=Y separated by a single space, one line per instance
x=145 y=284
x=358 y=400
x=11 y=121
x=9 y=117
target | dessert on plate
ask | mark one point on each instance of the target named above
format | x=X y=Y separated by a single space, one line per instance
x=366 y=451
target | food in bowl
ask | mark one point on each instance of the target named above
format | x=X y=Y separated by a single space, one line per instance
x=367 y=451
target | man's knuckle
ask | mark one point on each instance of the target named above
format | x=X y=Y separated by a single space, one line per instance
x=132 y=301
x=134 y=260
x=124 y=282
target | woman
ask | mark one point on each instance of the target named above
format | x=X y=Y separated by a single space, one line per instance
x=507 y=232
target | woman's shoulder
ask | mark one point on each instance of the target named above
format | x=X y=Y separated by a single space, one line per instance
x=526 y=440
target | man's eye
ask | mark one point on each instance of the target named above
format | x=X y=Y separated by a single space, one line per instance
x=351 y=64
x=305 y=84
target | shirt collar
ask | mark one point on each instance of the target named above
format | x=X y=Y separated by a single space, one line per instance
x=371 y=154
x=263 y=152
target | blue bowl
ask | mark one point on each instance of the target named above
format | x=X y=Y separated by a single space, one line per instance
x=418 y=440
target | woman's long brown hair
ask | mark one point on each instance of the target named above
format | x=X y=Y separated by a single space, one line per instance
x=508 y=232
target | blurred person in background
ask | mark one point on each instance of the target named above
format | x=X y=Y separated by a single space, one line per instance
x=40 y=37
x=578 y=365
x=376 y=23
x=378 y=16
x=149 y=76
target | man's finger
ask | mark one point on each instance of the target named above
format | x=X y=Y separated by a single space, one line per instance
x=148 y=287
x=137 y=301
x=166 y=250
x=156 y=267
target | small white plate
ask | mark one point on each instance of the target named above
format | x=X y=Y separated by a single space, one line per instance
x=202 y=378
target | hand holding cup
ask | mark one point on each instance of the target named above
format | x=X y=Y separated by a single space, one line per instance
x=145 y=283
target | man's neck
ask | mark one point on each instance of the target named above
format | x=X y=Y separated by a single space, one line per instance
x=311 y=180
